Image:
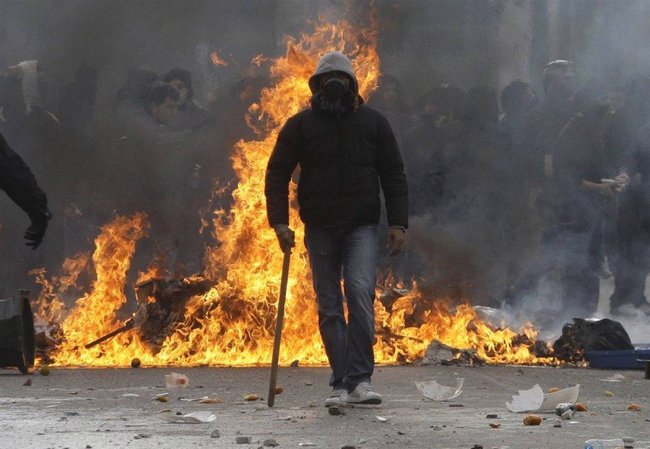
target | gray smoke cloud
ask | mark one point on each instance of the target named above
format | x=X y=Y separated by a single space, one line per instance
x=459 y=249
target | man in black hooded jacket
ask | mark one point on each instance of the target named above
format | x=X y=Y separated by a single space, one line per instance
x=346 y=152
x=18 y=182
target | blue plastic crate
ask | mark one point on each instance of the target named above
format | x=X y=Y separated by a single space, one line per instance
x=628 y=359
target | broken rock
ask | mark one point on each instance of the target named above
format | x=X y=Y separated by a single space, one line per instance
x=532 y=420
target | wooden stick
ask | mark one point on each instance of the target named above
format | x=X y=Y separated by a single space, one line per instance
x=128 y=325
x=278 y=327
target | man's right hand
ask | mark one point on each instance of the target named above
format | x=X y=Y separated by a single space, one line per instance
x=286 y=237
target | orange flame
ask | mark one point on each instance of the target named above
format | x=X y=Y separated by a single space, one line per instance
x=232 y=324
x=50 y=306
x=216 y=59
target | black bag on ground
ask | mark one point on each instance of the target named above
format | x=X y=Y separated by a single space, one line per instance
x=583 y=336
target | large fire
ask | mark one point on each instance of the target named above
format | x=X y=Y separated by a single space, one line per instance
x=232 y=323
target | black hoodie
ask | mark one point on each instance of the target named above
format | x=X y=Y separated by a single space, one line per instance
x=344 y=160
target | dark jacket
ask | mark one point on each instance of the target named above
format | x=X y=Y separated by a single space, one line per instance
x=17 y=180
x=579 y=156
x=344 y=161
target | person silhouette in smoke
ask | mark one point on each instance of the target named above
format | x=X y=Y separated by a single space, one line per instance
x=346 y=151
x=18 y=182
x=534 y=143
x=191 y=115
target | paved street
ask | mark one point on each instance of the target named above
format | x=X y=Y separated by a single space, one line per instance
x=79 y=408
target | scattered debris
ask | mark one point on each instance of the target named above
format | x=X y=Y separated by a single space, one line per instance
x=156 y=320
x=617 y=443
x=527 y=400
x=204 y=400
x=243 y=440
x=71 y=414
x=532 y=420
x=477 y=446
x=554 y=389
x=534 y=399
x=215 y=434
x=440 y=354
x=434 y=391
x=135 y=362
x=28 y=383
x=284 y=418
x=557 y=423
x=270 y=443
x=190 y=418
x=279 y=390
x=456 y=405
x=162 y=398
x=130 y=395
x=142 y=436
x=580 y=407
x=565 y=410
x=335 y=410
x=492 y=416
x=251 y=397
x=381 y=418
x=618 y=377
x=175 y=381
x=634 y=407
x=306 y=444
x=609 y=394
x=348 y=446
x=295 y=363
x=495 y=425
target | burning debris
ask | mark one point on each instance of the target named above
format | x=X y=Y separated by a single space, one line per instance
x=440 y=354
x=162 y=305
x=228 y=319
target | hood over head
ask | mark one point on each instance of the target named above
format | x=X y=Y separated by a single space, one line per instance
x=333 y=61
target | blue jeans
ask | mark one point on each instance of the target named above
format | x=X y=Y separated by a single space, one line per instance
x=350 y=253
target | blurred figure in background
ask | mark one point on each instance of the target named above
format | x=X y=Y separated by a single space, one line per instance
x=579 y=167
x=517 y=99
x=391 y=101
x=633 y=233
x=191 y=115
x=534 y=143
x=77 y=103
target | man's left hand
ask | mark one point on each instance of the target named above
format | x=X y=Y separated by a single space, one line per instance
x=396 y=239
x=36 y=230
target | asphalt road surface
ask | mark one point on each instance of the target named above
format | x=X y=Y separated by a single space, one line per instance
x=108 y=408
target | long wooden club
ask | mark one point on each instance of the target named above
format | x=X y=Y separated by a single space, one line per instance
x=278 y=327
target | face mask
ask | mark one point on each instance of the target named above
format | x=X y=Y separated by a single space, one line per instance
x=335 y=89
x=182 y=97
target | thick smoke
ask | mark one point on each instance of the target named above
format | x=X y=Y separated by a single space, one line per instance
x=444 y=64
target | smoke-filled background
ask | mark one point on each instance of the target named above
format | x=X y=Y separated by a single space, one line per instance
x=477 y=231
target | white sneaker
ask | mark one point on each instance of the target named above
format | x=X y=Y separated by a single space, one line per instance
x=338 y=397
x=363 y=394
